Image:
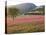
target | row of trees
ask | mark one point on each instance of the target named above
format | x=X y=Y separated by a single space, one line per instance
x=13 y=12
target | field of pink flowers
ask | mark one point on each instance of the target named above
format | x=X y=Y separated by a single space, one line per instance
x=26 y=19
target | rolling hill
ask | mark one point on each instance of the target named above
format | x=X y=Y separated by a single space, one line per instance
x=24 y=7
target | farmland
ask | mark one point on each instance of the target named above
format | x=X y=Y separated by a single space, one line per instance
x=29 y=23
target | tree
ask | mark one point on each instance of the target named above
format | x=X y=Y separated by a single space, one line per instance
x=13 y=12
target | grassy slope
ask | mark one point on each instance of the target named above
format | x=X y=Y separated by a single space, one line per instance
x=25 y=27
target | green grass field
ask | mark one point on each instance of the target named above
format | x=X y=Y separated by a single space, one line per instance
x=25 y=28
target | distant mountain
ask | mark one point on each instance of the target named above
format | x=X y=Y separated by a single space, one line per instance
x=39 y=8
x=24 y=7
x=28 y=7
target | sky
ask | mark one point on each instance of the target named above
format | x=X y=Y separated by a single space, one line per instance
x=15 y=2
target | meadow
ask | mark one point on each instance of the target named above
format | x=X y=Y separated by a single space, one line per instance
x=26 y=24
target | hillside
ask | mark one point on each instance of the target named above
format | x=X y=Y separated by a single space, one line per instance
x=24 y=7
